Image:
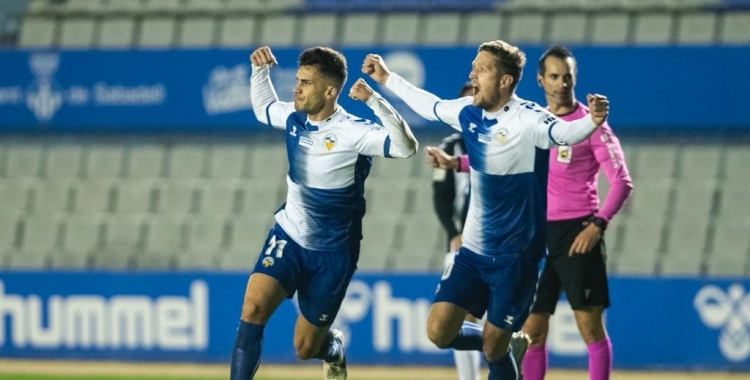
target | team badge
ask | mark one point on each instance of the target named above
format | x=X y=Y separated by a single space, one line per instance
x=564 y=154
x=267 y=262
x=502 y=135
x=330 y=142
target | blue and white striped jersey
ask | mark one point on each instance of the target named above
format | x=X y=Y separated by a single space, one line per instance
x=329 y=161
x=509 y=161
x=328 y=164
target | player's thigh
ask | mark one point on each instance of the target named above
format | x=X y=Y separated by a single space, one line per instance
x=328 y=274
x=461 y=285
x=537 y=326
x=444 y=322
x=512 y=282
x=263 y=294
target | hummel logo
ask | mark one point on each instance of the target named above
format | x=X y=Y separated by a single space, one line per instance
x=472 y=127
x=508 y=319
x=323 y=317
x=294 y=131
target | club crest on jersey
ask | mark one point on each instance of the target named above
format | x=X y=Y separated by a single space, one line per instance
x=502 y=135
x=564 y=154
x=267 y=262
x=330 y=142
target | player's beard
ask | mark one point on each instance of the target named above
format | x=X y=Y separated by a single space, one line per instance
x=308 y=106
x=487 y=100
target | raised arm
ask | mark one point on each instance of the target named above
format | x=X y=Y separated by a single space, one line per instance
x=403 y=144
x=550 y=130
x=266 y=105
x=425 y=104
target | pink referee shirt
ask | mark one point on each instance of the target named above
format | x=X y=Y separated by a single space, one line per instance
x=573 y=171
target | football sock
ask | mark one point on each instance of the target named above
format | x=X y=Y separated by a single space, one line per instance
x=246 y=352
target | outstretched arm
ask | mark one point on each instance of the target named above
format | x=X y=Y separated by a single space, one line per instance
x=550 y=130
x=403 y=142
x=422 y=102
x=262 y=94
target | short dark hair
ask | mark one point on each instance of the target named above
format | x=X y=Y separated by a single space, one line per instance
x=511 y=59
x=557 y=52
x=331 y=63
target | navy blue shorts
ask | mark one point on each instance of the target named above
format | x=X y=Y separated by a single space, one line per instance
x=504 y=286
x=320 y=277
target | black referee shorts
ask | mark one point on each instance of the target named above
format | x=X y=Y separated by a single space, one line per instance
x=583 y=277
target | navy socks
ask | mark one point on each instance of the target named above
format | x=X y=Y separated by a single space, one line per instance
x=246 y=352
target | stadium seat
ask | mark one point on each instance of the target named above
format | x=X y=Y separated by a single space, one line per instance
x=154 y=261
x=162 y=6
x=207 y=236
x=379 y=231
x=52 y=195
x=40 y=233
x=233 y=6
x=685 y=246
x=77 y=32
x=196 y=261
x=653 y=28
x=104 y=161
x=568 y=28
x=318 y=29
x=699 y=163
x=734 y=200
x=421 y=248
x=422 y=202
x=736 y=25
x=8 y=230
x=640 y=245
x=37 y=32
x=400 y=29
x=129 y=8
x=27 y=260
x=268 y=162
x=238 y=261
x=247 y=234
x=279 y=30
x=63 y=161
x=526 y=28
x=116 y=258
x=696 y=28
x=135 y=196
x=77 y=7
x=197 y=32
x=124 y=234
x=389 y=169
x=731 y=244
x=237 y=31
x=93 y=196
x=146 y=161
x=157 y=32
x=388 y=197
x=187 y=161
x=735 y=167
x=68 y=260
x=610 y=28
x=117 y=32
x=261 y=197
x=82 y=234
x=166 y=235
x=442 y=29
x=15 y=195
x=694 y=199
x=177 y=197
x=227 y=161
x=650 y=197
x=654 y=161
x=481 y=27
x=359 y=29
x=219 y=198
x=204 y=6
x=23 y=160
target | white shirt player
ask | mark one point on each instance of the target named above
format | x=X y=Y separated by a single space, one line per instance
x=509 y=162
x=329 y=161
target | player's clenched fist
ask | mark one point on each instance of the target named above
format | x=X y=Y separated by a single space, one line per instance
x=263 y=56
x=598 y=107
x=360 y=90
x=375 y=67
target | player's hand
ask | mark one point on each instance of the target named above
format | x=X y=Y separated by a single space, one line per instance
x=598 y=107
x=455 y=243
x=263 y=56
x=586 y=240
x=375 y=67
x=361 y=90
x=437 y=158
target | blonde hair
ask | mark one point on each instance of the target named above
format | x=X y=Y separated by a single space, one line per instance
x=510 y=59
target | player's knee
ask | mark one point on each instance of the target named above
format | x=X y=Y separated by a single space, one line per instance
x=593 y=334
x=492 y=351
x=438 y=336
x=255 y=312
